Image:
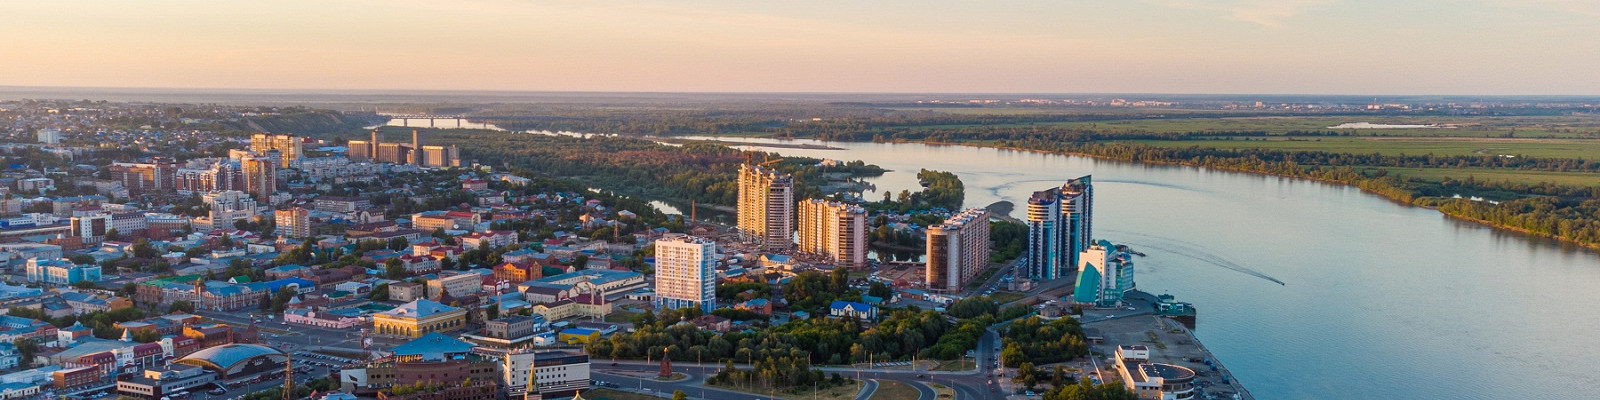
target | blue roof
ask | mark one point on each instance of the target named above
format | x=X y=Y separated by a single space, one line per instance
x=225 y=356
x=596 y=275
x=281 y=283
x=420 y=308
x=841 y=304
x=579 y=331
x=433 y=347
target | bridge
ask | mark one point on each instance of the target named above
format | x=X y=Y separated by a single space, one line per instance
x=405 y=119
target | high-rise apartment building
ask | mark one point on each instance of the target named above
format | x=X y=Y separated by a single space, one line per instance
x=1105 y=274
x=684 y=272
x=834 y=230
x=359 y=150
x=1058 y=229
x=958 y=250
x=139 y=178
x=228 y=206
x=260 y=176
x=49 y=136
x=294 y=222
x=766 y=207
x=221 y=175
x=91 y=227
x=290 y=147
x=441 y=156
x=393 y=153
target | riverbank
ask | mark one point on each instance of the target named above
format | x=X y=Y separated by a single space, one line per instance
x=1367 y=185
x=731 y=143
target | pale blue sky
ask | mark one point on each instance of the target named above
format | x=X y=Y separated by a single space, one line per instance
x=1151 y=46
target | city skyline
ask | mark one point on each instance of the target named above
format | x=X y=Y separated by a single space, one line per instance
x=1489 y=47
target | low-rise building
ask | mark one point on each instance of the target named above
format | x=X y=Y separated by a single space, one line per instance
x=455 y=283
x=1153 y=381
x=850 y=309
x=407 y=291
x=332 y=319
x=418 y=318
x=160 y=381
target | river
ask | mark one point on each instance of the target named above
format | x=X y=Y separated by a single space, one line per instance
x=1379 y=300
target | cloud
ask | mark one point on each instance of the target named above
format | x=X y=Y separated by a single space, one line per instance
x=1267 y=13
x=1272 y=13
x=1582 y=7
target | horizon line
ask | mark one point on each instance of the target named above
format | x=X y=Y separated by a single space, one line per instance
x=404 y=91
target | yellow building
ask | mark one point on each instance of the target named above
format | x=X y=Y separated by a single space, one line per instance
x=578 y=335
x=417 y=318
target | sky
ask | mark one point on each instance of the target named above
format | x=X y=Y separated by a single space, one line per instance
x=1378 y=47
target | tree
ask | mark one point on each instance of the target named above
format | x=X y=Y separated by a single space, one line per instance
x=143 y=249
x=280 y=301
x=394 y=269
x=398 y=244
x=492 y=312
x=380 y=292
x=181 y=306
x=266 y=302
x=679 y=395
x=880 y=290
x=81 y=259
x=113 y=235
x=841 y=280
x=1028 y=375
x=26 y=348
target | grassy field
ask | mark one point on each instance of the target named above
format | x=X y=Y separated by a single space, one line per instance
x=1578 y=126
x=599 y=394
x=1484 y=174
x=964 y=364
x=891 y=390
x=1557 y=148
x=847 y=391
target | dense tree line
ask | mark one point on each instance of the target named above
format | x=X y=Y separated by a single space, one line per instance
x=701 y=171
x=899 y=336
x=1035 y=340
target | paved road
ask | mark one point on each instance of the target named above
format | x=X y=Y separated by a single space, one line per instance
x=867 y=390
x=967 y=384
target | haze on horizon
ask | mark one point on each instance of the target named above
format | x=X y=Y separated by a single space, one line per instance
x=1473 y=47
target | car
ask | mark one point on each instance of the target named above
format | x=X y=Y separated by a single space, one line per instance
x=216 y=392
x=613 y=364
x=991 y=390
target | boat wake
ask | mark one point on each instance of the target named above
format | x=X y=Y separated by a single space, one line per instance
x=1191 y=251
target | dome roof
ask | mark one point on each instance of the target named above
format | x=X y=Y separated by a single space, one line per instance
x=228 y=355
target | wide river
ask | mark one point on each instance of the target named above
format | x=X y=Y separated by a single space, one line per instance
x=1379 y=300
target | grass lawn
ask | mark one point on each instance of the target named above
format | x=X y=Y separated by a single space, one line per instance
x=598 y=394
x=964 y=364
x=891 y=390
x=846 y=391
x=619 y=316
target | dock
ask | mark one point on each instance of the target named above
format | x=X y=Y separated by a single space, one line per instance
x=1169 y=341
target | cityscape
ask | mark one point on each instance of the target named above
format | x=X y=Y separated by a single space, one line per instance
x=707 y=200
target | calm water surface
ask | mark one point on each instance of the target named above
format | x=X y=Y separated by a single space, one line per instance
x=1379 y=301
